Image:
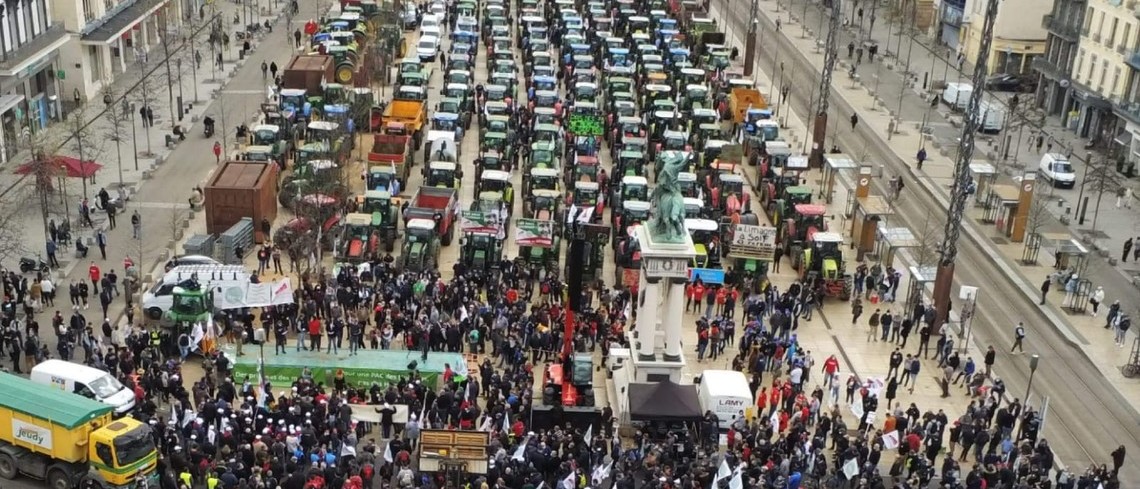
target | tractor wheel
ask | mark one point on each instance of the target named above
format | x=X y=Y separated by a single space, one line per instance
x=797 y=255
x=845 y=291
x=389 y=244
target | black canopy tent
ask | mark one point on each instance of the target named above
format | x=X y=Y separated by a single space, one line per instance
x=664 y=401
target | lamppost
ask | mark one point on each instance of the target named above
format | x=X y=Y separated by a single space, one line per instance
x=108 y=100
x=1032 y=369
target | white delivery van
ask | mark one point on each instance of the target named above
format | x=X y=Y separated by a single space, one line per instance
x=1055 y=167
x=726 y=393
x=86 y=381
x=990 y=117
x=957 y=95
x=160 y=297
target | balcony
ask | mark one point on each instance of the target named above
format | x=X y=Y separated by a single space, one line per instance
x=1129 y=111
x=1133 y=59
x=1050 y=70
x=1060 y=28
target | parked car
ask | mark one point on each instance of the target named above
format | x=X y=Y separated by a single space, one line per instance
x=410 y=17
x=1057 y=170
x=427 y=49
x=1010 y=82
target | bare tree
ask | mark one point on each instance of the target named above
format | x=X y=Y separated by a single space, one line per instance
x=1100 y=177
x=1036 y=220
x=176 y=222
x=118 y=117
x=13 y=206
x=929 y=238
x=82 y=138
x=146 y=96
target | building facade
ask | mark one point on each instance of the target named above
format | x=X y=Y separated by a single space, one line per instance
x=1099 y=77
x=30 y=71
x=1018 y=38
x=109 y=36
x=1064 y=24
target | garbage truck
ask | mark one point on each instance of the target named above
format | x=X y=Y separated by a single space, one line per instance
x=71 y=441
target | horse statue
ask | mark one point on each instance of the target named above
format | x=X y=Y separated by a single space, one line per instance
x=668 y=223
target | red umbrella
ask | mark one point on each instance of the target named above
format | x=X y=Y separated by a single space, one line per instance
x=72 y=167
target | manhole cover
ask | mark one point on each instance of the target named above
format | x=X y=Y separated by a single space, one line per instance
x=1001 y=240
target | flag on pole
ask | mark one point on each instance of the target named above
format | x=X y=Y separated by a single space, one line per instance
x=520 y=452
x=506 y=423
x=722 y=473
x=486 y=424
x=601 y=473
x=589 y=437
x=737 y=481
x=388 y=452
x=262 y=392
x=568 y=482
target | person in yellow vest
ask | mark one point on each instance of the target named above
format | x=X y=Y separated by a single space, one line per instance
x=212 y=481
x=186 y=478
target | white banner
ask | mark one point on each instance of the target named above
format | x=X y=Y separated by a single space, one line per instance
x=891 y=440
x=276 y=293
x=30 y=433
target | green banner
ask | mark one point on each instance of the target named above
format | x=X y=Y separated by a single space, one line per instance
x=534 y=232
x=281 y=376
x=587 y=125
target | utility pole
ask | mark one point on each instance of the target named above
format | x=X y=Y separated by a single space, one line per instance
x=819 y=132
x=944 y=280
x=750 y=42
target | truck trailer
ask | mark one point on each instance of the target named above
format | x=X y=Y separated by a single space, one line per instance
x=69 y=440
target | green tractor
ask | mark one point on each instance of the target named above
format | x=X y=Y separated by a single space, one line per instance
x=272 y=136
x=481 y=251
x=421 y=246
x=378 y=204
x=190 y=304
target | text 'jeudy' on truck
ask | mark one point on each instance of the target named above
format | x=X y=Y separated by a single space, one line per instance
x=71 y=441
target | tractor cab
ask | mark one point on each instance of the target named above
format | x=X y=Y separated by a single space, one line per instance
x=497 y=181
x=768 y=130
x=632 y=213
x=691 y=76
x=694 y=208
x=498 y=141
x=292 y=101
x=323 y=131
x=630 y=127
x=496 y=108
x=381 y=178
x=378 y=204
x=823 y=260
x=545 y=83
x=701 y=117
x=265 y=135
x=585 y=169
x=412 y=79
x=543 y=115
x=409 y=92
x=489 y=160
x=358 y=237
x=640 y=145
x=498 y=124
x=584 y=92
x=674 y=141
x=706 y=241
x=543 y=179
x=633 y=188
x=588 y=195
x=690 y=188
x=548 y=133
x=654 y=92
x=775 y=159
x=543 y=154
x=443 y=121
x=706 y=133
x=443 y=174
x=696 y=97
x=804 y=222
x=630 y=163
x=421 y=246
x=729 y=195
x=258 y=153
x=544 y=204
x=547 y=99
x=311 y=151
x=481 y=251
x=458 y=91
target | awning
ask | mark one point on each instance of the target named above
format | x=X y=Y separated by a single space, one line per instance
x=10 y=100
x=1124 y=138
x=664 y=401
x=118 y=24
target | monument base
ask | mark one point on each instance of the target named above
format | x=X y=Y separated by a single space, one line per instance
x=657 y=369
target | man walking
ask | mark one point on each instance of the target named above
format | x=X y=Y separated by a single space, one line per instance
x=1045 y=289
x=1127 y=248
x=136 y=225
x=991 y=356
x=51 y=250
x=101 y=240
x=1018 y=337
x=921 y=157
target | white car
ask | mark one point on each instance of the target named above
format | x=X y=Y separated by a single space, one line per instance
x=410 y=16
x=427 y=49
x=1057 y=170
x=430 y=24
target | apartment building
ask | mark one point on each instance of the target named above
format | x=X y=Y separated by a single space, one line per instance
x=1063 y=24
x=1100 y=73
x=108 y=35
x=1126 y=108
x=1018 y=35
x=31 y=78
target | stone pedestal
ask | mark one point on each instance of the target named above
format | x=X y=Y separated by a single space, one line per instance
x=660 y=307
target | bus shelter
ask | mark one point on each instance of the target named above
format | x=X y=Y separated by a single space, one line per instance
x=869 y=214
x=833 y=165
x=919 y=277
x=1002 y=208
x=893 y=239
x=984 y=176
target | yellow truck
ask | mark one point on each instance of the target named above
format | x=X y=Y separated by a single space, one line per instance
x=742 y=99
x=406 y=117
x=69 y=440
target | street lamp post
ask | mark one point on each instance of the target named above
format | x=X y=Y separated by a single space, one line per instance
x=108 y=100
x=1033 y=360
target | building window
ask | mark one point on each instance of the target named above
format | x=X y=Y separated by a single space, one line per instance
x=1111 y=39
x=1103 y=75
x=1116 y=82
x=95 y=60
x=21 y=25
x=1079 y=65
x=1092 y=68
x=88 y=12
x=1087 y=24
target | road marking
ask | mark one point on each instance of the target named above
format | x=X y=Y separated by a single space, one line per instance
x=244 y=92
x=160 y=205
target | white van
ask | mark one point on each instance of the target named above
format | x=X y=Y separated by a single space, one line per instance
x=726 y=393
x=957 y=95
x=990 y=117
x=1055 y=167
x=160 y=297
x=86 y=381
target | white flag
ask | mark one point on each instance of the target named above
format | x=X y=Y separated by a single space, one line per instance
x=722 y=472
x=737 y=481
x=541 y=485
x=601 y=473
x=347 y=450
x=388 y=452
x=520 y=452
x=568 y=482
x=589 y=437
x=506 y=423
x=891 y=440
x=851 y=469
x=486 y=424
